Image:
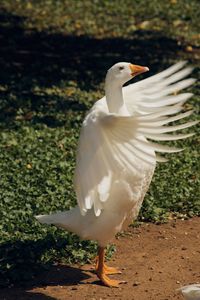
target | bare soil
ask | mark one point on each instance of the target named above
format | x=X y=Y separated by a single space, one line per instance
x=155 y=261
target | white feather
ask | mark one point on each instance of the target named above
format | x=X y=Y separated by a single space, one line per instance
x=166 y=120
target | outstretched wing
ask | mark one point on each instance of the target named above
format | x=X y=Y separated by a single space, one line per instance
x=157 y=92
x=156 y=98
x=110 y=143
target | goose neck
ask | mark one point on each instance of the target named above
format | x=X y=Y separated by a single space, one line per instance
x=114 y=98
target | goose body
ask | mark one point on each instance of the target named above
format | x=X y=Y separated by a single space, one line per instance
x=116 y=158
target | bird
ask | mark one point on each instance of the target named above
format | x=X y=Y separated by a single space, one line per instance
x=190 y=292
x=117 y=153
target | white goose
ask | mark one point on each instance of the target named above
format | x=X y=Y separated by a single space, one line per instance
x=115 y=159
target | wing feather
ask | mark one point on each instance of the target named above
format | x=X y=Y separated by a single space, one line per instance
x=158 y=147
x=168 y=137
x=167 y=100
x=169 y=110
x=164 y=129
x=166 y=120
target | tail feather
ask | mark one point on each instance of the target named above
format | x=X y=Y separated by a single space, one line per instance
x=45 y=219
x=59 y=218
x=70 y=220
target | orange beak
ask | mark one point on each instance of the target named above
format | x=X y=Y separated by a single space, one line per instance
x=136 y=70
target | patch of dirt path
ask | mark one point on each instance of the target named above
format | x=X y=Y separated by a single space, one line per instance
x=155 y=261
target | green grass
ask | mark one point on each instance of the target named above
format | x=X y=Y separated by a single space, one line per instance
x=53 y=59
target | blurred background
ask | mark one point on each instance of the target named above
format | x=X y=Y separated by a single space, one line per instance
x=53 y=59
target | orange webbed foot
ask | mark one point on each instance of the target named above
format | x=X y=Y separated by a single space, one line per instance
x=111 y=270
x=109 y=282
x=107 y=270
x=103 y=270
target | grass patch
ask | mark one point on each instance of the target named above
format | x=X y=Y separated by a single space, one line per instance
x=54 y=56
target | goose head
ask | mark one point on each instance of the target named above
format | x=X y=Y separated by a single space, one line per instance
x=124 y=71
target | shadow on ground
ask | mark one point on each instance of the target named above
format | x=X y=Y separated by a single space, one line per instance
x=22 y=262
x=31 y=60
x=28 y=273
x=23 y=295
x=56 y=276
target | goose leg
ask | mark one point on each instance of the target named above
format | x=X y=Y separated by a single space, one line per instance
x=102 y=270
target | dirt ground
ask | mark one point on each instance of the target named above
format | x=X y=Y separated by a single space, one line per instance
x=155 y=261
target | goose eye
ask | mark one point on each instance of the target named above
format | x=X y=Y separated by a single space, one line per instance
x=121 y=68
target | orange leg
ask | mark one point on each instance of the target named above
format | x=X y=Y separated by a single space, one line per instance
x=102 y=270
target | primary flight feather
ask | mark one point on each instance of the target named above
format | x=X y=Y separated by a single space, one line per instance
x=116 y=154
